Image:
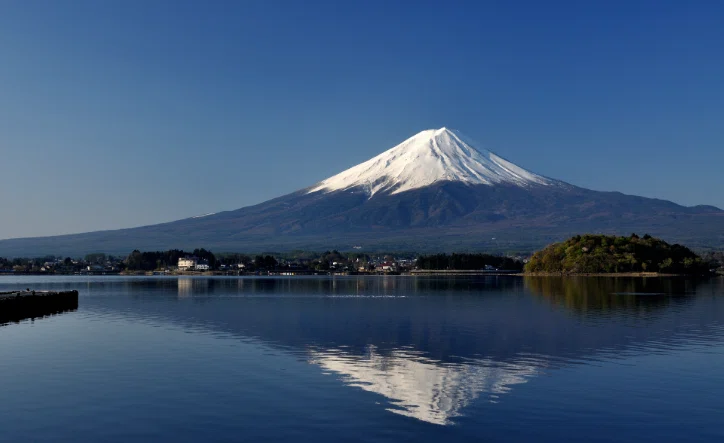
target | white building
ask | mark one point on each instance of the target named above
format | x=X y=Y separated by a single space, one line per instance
x=202 y=265
x=186 y=263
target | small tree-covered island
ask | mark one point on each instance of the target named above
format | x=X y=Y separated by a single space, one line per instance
x=603 y=254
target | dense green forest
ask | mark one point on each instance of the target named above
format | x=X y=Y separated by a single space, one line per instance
x=468 y=262
x=608 y=254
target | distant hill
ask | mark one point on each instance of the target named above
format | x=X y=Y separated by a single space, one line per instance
x=435 y=192
x=594 y=254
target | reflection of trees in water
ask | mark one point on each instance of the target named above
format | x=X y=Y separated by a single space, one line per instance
x=579 y=294
x=363 y=286
x=321 y=286
x=496 y=317
x=587 y=294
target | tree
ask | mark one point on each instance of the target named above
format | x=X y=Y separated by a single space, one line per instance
x=265 y=262
x=98 y=258
x=604 y=254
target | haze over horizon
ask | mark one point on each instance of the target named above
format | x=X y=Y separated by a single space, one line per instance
x=124 y=114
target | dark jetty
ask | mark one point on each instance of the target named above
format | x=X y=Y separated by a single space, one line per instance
x=19 y=305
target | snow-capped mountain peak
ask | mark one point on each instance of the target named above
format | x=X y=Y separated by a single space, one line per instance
x=431 y=156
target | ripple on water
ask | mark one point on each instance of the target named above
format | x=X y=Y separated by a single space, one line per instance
x=501 y=359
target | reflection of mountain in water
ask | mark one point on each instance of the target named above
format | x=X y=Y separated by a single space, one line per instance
x=419 y=387
x=431 y=345
x=465 y=317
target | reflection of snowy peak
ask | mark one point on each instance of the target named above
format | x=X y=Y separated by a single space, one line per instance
x=422 y=388
x=428 y=157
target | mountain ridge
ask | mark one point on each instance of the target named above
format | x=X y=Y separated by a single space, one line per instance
x=461 y=198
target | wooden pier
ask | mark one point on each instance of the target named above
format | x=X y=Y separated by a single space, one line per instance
x=19 y=305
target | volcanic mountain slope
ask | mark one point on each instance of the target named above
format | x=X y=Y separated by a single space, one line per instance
x=434 y=192
x=430 y=157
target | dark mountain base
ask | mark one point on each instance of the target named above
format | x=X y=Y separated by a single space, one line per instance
x=447 y=216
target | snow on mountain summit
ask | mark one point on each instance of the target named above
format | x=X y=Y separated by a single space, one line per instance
x=428 y=157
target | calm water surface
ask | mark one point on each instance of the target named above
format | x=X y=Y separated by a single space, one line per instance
x=368 y=359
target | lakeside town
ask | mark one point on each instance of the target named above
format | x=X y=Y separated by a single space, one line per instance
x=203 y=262
x=588 y=254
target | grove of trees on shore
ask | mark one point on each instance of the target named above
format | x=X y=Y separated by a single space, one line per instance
x=593 y=254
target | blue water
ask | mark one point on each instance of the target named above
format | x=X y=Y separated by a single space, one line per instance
x=367 y=359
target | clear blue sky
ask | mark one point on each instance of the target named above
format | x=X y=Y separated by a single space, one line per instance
x=123 y=113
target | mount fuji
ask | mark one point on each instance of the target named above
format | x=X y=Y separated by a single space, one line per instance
x=436 y=191
x=426 y=158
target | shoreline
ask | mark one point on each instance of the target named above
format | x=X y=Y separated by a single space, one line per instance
x=611 y=274
x=418 y=273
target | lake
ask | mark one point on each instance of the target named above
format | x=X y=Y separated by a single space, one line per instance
x=368 y=359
